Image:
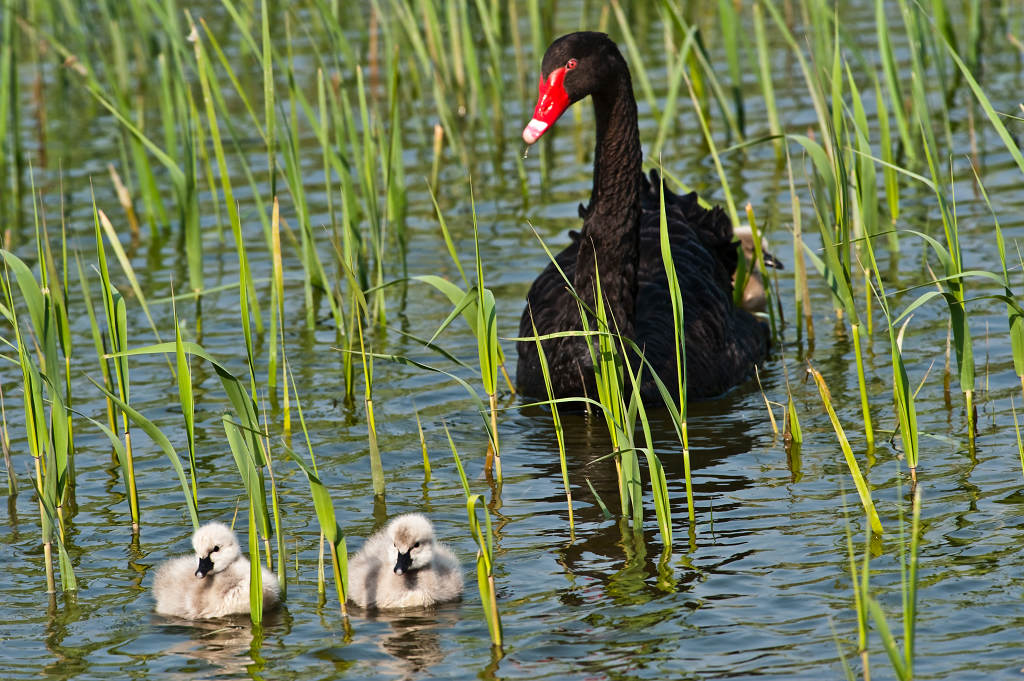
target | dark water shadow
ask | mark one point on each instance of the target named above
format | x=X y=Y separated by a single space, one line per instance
x=632 y=563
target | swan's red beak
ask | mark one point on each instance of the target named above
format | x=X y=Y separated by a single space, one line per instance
x=552 y=102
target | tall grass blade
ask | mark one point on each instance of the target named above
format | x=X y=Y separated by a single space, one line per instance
x=556 y=420
x=858 y=479
x=680 y=347
x=484 y=553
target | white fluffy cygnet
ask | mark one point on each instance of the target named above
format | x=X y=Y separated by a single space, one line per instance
x=212 y=583
x=403 y=566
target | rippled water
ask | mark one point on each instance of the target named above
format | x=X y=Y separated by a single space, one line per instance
x=759 y=587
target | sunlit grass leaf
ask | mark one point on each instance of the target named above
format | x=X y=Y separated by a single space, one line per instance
x=858 y=479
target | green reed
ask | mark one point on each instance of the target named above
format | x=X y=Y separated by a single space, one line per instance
x=10 y=112
x=863 y=490
x=621 y=406
x=765 y=77
x=678 y=413
x=832 y=204
x=423 y=448
x=868 y=608
x=608 y=374
x=48 y=434
x=675 y=78
x=730 y=203
x=376 y=466
x=954 y=282
x=246 y=291
x=623 y=409
x=185 y=130
x=485 y=551
x=701 y=71
x=329 y=528
x=774 y=318
x=1016 y=429
x=477 y=307
x=556 y=421
x=251 y=472
x=117 y=337
x=903 y=395
x=859 y=582
x=56 y=284
x=659 y=483
x=1014 y=313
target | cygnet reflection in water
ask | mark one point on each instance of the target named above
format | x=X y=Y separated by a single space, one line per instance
x=212 y=583
x=225 y=647
x=414 y=642
x=403 y=566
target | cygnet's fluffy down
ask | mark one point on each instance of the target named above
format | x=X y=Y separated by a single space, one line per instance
x=403 y=566
x=212 y=583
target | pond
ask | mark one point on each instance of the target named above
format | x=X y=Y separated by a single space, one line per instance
x=759 y=585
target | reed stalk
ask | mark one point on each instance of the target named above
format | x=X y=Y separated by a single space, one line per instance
x=1015 y=317
x=556 y=421
x=376 y=467
x=248 y=302
x=484 y=554
x=679 y=414
x=858 y=478
x=5 y=444
x=423 y=448
x=117 y=336
x=49 y=435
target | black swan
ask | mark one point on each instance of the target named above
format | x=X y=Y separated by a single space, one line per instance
x=620 y=236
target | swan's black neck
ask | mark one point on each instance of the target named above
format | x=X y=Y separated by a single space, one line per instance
x=611 y=222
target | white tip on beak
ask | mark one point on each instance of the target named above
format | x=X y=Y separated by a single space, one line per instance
x=533 y=130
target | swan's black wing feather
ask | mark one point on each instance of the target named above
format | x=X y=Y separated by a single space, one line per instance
x=550 y=307
x=723 y=342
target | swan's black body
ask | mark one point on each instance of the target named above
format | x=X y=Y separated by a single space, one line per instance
x=620 y=236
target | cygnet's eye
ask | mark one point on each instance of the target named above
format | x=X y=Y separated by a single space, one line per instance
x=416 y=545
x=570 y=65
x=215 y=549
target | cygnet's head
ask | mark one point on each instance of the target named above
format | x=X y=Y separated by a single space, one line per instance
x=412 y=537
x=216 y=546
x=745 y=236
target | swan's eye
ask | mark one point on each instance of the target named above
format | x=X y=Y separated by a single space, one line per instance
x=416 y=545
x=215 y=549
x=570 y=65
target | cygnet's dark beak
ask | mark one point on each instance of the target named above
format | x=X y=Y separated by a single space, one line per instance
x=404 y=562
x=205 y=565
x=771 y=261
